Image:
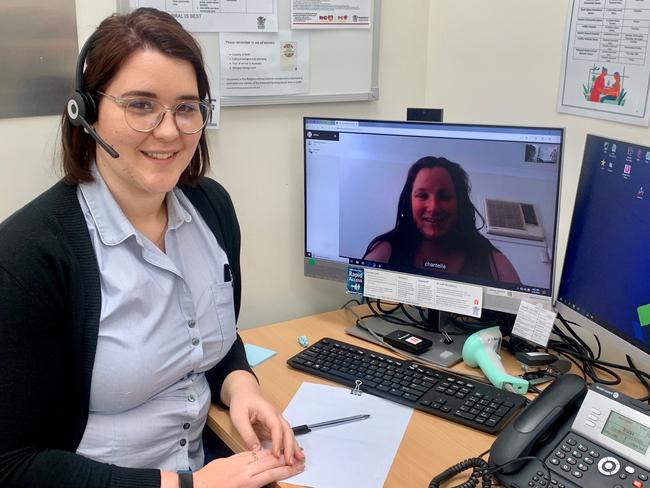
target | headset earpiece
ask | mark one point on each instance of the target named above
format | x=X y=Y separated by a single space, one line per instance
x=81 y=107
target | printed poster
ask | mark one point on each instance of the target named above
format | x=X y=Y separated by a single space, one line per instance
x=330 y=14
x=264 y=64
x=219 y=15
x=606 y=67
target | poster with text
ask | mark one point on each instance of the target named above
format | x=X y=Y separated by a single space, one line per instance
x=329 y=14
x=605 y=66
x=264 y=64
x=219 y=15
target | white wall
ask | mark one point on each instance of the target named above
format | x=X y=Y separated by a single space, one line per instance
x=257 y=155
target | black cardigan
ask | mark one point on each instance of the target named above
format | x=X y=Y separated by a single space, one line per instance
x=50 y=300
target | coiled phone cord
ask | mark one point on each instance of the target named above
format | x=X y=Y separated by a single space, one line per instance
x=480 y=472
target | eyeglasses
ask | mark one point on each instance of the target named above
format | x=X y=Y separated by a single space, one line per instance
x=145 y=114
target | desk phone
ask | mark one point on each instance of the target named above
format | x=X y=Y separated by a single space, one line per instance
x=592 y=437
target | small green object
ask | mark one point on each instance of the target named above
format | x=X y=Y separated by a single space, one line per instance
x=312 y=261
x=644 y=314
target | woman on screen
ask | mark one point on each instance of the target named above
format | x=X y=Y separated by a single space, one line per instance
x=436 y=227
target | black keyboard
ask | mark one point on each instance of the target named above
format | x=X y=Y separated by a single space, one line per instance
x=453 y=397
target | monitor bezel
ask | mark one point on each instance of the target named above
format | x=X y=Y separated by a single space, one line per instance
x=630 y=345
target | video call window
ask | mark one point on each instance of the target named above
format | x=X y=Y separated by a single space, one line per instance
x=489 y=193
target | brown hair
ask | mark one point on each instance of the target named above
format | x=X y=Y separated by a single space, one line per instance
x=116 y=38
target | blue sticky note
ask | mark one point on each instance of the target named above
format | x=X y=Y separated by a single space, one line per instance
x=256 y=354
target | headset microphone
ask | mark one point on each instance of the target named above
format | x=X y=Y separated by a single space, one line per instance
x=81 y=107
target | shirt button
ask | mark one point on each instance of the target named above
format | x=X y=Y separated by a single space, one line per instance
x=186 y=425
x=190 y=398
x=183 y=442
x=191 y=323
x=195 y=341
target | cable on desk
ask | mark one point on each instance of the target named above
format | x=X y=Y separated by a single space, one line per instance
x=386 y=315
x=395 y=308
x=504 y=321
x=577 y=351
x=641 y=379
x=354 y=300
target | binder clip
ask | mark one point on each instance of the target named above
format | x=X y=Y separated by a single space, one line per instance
x=357 y=388
x=446 y=338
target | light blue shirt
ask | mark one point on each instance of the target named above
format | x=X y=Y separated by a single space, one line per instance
x=165 y=319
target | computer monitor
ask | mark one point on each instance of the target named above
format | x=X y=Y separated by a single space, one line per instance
x=355 y=172
x=606 y=271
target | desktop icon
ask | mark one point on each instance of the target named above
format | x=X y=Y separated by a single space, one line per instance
x=613 y=147
x=630 y=152
x=638 y=153
x=605 y=146
x=641 y=193
x=602 y=163
x=627 y=169
x=644 y=315
x=611 y=165
x=647 y=156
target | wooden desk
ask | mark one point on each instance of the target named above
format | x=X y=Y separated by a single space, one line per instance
x=430 y=444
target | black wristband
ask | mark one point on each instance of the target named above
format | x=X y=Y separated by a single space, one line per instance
x=186 y=480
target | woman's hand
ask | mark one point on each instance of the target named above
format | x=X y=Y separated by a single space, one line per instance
x=248 y=469
x=257 y=420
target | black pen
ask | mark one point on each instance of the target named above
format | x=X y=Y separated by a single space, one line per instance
x=303 y=429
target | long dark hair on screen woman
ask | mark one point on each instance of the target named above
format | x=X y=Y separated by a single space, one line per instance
x=480 y=257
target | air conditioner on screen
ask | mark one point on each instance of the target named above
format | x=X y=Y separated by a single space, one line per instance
x=513 y=219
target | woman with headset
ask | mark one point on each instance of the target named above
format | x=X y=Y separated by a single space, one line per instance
x=120 y=288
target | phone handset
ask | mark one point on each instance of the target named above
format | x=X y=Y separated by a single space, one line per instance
x=518 y=439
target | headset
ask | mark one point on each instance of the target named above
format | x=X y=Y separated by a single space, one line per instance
x=81 y=107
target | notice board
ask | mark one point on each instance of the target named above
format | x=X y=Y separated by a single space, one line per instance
x=343 y=62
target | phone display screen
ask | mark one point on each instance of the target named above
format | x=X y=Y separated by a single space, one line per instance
x=627 y=432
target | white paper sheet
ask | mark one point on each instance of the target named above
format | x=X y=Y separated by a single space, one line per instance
x=219 y=16
x=330 y=14
x=458 y=298
x=606 y=66
x=357 y=454
x=534 y=323
x=264 y=64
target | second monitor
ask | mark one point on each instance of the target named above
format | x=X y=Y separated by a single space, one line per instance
x=472 y=204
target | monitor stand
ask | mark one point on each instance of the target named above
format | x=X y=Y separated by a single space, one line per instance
x=440 y=353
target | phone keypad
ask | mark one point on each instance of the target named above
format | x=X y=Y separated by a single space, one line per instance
x=581 y=463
